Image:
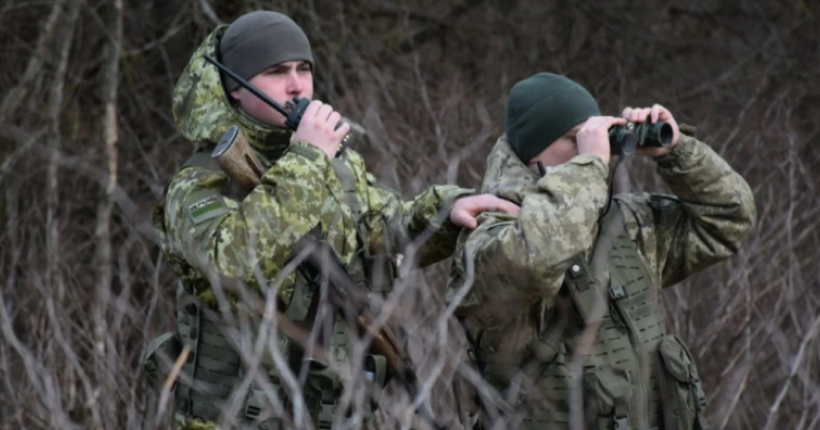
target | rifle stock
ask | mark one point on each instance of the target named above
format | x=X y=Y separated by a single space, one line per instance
x=236 y=158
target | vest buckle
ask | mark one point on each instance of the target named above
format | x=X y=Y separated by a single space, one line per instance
x=617 y=292
x=254 y=402
x=326 y=410
x=700 y=395
x=621 y=417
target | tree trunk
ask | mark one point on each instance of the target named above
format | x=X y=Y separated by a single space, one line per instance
x=108 y=136
x=62 y=44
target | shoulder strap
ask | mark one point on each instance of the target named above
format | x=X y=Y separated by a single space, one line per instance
x=348 y=180
x=612 y=225
x=586 y=283
x=201 y=158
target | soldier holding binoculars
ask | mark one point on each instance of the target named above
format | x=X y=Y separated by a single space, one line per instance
x=563 y=302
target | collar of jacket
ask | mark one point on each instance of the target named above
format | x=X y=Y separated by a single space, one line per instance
x=506 y=176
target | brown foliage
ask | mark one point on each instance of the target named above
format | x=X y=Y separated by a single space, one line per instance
x=87 y=143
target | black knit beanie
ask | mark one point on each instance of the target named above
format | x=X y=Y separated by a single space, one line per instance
x=541 y=109
x=259 y=40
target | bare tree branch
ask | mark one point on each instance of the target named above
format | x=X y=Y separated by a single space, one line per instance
x=62 y=43
x=436 y=30
x=36 y=62
x=108 y=136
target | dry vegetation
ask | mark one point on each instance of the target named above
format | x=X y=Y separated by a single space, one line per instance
x=87 y=143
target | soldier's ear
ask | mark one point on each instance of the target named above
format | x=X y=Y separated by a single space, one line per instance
x=235 y=94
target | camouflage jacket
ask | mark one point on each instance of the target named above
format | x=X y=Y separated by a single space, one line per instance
x=510 y=268
x=205 y=230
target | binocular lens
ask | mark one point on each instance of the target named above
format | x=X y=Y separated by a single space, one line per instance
x=660 y=132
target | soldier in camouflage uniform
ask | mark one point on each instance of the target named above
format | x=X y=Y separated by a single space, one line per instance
x=208 y=233
x=563 y=302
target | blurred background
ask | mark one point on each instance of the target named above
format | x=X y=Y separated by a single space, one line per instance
x=87 y=144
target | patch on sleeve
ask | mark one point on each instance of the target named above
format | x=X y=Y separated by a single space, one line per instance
x=206 y=208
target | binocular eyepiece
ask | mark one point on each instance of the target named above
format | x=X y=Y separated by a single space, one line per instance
x=625 y=139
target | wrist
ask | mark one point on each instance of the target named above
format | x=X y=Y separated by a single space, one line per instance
x=326 y=148
x=681 y=150
x=308 y=150
x=448 y=196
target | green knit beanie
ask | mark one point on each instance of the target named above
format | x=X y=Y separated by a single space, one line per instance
x=259 y=40
x=541 y=109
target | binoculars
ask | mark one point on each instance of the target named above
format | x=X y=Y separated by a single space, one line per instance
x=625 y=139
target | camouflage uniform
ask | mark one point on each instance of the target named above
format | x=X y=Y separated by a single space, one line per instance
x=204 y=230
x=522 y=278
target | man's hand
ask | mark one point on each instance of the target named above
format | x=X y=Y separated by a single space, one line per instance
x=318 y=127
x=466 y=209
x=654 y=114
x=593 y=137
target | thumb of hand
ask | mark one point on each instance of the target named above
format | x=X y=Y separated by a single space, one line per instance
x=463 y=218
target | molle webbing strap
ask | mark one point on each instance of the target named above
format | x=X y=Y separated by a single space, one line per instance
x=587 y=283
x=360 y=268
x=546 y=345
x=188 y=328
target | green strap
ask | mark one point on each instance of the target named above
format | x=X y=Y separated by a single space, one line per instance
x=546 y=345
x=189 y=330
x=375 y=371
x=612 y=225
x=202 y=159
x=256 y=401
x=358 y=267
x=327 y=410
x=700 y=401
x=621 y=415
x=375 y=368
x=698 y=394
x=348 y=180
x=587 y=283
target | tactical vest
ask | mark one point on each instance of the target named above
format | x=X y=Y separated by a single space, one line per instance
x=215 y=366
x=619 y=378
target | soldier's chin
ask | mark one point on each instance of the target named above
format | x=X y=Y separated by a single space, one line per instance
x=275 y=119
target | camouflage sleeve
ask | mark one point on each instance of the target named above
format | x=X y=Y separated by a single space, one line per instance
x=513 y=262
x=233 y=238
x=710 y=217
x=428 y=222
x=424 y=221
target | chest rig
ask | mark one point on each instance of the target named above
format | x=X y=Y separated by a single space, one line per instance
x=215 y=368
x=605 y=361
